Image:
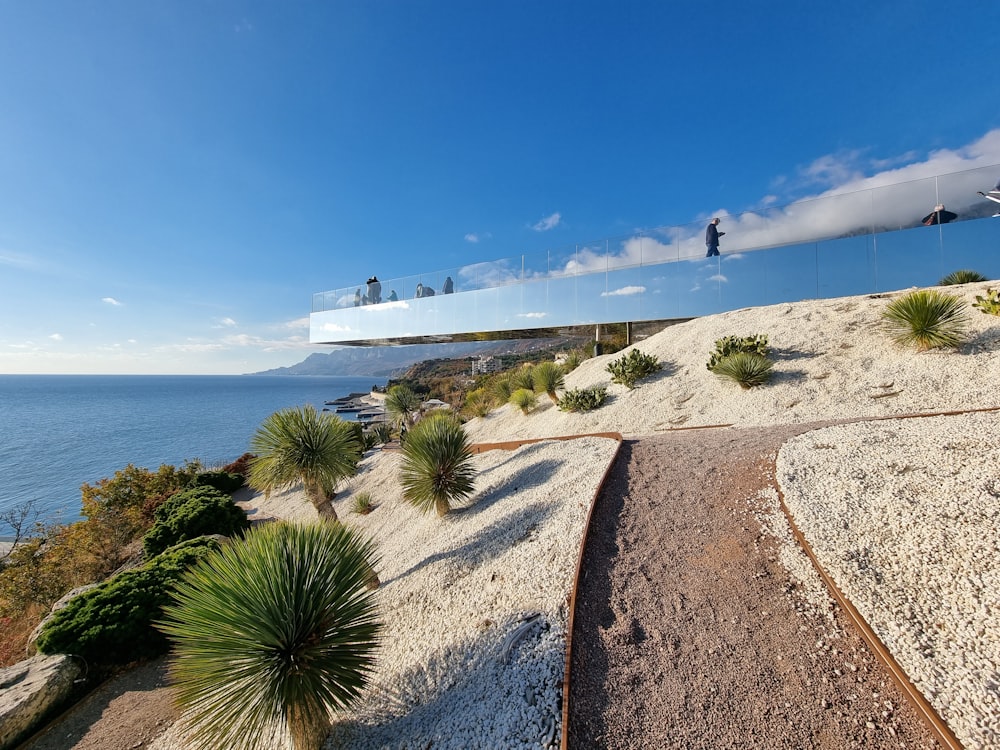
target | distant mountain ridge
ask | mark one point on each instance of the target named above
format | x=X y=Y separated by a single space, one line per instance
x=386 y=361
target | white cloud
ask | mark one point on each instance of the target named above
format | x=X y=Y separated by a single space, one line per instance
x=56 y=337
x=472 y=237
x=111 y=301
x=532 y=315
x=228 y=323
x=625 y=291
x=297 y=324
x=549 y=222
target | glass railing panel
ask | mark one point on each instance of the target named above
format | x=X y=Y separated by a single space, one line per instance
x=972 y=245
x=567 y=262
x=902 y=206
x=959 y=192
x=845 y=266
x=911 y=257
x=624 y=294
x=661 y=283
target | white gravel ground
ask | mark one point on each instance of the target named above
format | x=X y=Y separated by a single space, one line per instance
x=902 y=512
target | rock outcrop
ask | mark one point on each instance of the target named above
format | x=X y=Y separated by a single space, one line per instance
x=29 y=690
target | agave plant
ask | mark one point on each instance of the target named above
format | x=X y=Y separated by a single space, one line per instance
x=547 y=378
x=963 y=276
x=303 y=445
x=749 y=369
x=524 y=399
x=271 y=634
x=927 y=319
x=402 y=403
x=437 y=468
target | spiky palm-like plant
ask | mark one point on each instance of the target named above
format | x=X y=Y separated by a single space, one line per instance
x=927 y=319
x=478 y=403
x=746 y=368
x=303 y=445
x=548 y=378
x=437 y=467
x=962 y=276
x=401 y=403
x=502 y=386
x=522 y=378
x=524 y=399
x=271 y=634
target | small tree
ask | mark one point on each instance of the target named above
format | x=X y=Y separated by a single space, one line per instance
x=271 y=634
x=437 y=467
x=303 y=445
x=524 y=399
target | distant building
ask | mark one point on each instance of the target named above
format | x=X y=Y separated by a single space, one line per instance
x=484 y=365
x=434 y=403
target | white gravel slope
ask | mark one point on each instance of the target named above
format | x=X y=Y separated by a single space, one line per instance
x=904 y=515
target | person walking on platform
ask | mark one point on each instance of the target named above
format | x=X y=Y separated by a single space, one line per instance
x=712 y=235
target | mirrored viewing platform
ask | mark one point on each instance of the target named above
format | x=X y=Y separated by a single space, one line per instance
x=862 y=242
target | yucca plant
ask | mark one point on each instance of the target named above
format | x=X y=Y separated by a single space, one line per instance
x=522 y=378
x=437 y=468
x=927 y=319
x=524 y=399
x=573 y=360
x=478 y=403
x=303 y=445
x=501 y=386
x=746 y=368
x=963 y=276
x=547 y=378
x=362 y=503
x=401 y=403
x=382 y=433
x=271 y=634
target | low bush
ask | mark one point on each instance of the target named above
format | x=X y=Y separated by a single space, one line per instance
x=240 y=466
x=749 y=369
x=478 y=403
x=112 y=623
x=583 y=399
x=223 y=481
x=989 y=304
x=926 y=319
x=522 y=377
x=193 y=513
x=524 y=399
x=630 y=368
x=730 y=345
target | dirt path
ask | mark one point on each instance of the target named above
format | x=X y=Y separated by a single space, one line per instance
x=688 y=632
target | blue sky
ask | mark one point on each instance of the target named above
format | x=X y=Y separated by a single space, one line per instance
x=178 y=178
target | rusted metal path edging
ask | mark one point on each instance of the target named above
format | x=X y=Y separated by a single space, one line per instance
x=571 y=598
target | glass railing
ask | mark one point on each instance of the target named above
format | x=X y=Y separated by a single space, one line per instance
x=852 y=243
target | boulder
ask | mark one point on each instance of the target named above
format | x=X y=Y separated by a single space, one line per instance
x=29 y=690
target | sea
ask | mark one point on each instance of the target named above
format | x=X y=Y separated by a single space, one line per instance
x=59 y=431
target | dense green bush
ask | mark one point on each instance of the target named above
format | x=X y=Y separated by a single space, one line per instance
x=964 y=276
x=746 y=368
x=223 y=481
x=990 y=304
x=583 y=399
x=112 y=623
x=926 y=319
x=630 y=368
x=730 y=345
x=193 y=513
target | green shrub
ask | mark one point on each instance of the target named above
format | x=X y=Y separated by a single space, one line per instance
x=522 y=378
x=524 y=399
x=193 y=513
x=964 y=276
x=573 y=360
x=990 y=304
x=112 y=623
x=362 y=504
x=926 y=319
x=726 y=347
x=223 y=481
x=746 y=368
x=547 y=378
x=273 y=633
x=382 y=433
x=478 y=403
x=437 y=467
x=630 y=368
x=583 y=399
x=501 y=386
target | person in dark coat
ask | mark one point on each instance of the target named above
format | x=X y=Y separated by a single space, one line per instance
x=449 y=286
x=393 y=297
x=938 y=216
x=374 y=290
x=712 y=235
